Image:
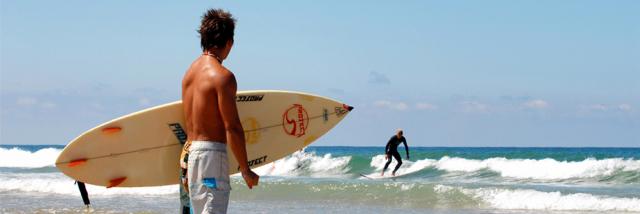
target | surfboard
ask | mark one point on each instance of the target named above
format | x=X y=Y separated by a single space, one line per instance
x=143 y=148
x=376 y=175
x=402 y=172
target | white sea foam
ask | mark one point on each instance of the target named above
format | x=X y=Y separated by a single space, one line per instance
x=526 y=199
x=544 y=169
x=60 y=184
x=407 y=166
x=15 y=157
x=307 y=164
x=310 y=164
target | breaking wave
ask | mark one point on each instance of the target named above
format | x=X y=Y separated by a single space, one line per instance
x=525 y=199
x=307 y=164
x=60 y=184
x=428 y=182
x=311 y=164
x=19 y=158
x=544 y=169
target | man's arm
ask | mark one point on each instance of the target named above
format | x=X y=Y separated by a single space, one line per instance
x=226 y=91
x=386 y=148
x=406 y=148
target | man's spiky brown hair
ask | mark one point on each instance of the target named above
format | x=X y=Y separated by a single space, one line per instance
x=216 y=29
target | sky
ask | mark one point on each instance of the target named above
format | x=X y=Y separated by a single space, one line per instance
x=450 y=73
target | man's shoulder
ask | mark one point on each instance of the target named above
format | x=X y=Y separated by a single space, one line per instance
x=220 y=75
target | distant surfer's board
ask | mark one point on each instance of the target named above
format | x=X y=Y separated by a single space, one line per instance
x=143 y=148
x=376 y=176
x=388 y=174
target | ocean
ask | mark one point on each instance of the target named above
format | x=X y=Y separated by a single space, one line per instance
x=332 y=180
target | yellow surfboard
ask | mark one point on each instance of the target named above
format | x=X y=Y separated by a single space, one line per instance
x=143 y=148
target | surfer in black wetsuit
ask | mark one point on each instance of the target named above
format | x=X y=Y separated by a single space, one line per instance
x=392 y=150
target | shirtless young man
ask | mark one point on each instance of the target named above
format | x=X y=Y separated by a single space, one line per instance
x=211 y=117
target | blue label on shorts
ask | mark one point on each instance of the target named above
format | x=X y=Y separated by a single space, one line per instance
x=210 y=182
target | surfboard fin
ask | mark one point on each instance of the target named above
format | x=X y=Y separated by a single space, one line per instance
x=116 y=182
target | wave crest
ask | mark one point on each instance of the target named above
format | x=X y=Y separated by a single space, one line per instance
x=59 y=184
x=303 y=163
x=408 y=167
x=611 y=170
x=536 y=200
x=544 y=169
x=17 y=158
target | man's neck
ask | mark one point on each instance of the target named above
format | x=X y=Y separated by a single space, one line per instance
x=213 y=54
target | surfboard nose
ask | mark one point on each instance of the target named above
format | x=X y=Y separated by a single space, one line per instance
x=347 y=107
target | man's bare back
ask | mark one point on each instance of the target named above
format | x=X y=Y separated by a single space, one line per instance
x=209 y=104
x=200 y=99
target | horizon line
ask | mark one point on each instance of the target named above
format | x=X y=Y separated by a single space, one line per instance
x=558 y=147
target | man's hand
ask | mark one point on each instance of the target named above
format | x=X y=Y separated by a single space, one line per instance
x=250 y=178
x=185 y=184
x=386 y=157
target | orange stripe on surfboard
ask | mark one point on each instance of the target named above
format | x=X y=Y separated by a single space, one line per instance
x=116 y=182
x=77 y=162
x=111 y=130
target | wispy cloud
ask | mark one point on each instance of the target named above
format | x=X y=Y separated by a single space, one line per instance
x=604 y=107
x=426 y=106
x=48 y=105
x=29 y=102
x=536 y=104
x=400 y=106
x=26 y=101
x=378 y=78
x=473 y=106
x=596 y=107
x=625 y=107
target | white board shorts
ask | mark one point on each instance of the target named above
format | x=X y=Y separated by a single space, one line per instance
x=208 y=176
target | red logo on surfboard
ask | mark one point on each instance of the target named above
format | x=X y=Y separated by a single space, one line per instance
x=295 y=120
